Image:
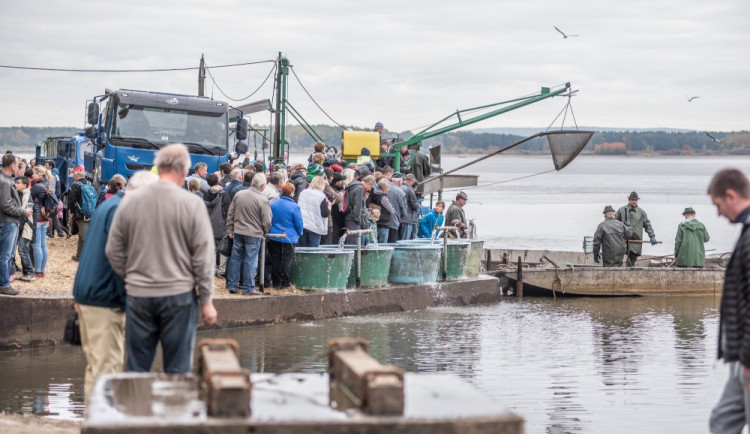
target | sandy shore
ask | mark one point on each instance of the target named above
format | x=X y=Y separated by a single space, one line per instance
x=27 y=424
x=61 y=271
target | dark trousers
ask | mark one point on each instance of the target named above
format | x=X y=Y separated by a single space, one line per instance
x=56 y=225
x=352 y=226
x=281 y=262
x=83 y=227
x=392 y=235
x=170 y=320
x=24 y=249
x=632 y=257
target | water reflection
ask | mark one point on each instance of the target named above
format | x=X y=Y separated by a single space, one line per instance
x=572 y=365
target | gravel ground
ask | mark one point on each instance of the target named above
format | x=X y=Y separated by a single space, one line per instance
x=61 y=271
x=27 y=424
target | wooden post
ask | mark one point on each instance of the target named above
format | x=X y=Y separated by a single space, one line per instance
x=519 y=280
x=488 y=259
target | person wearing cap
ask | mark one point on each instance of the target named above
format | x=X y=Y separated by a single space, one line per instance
x=636 y=217
x=688 y=244
x=456 y=212
x=378 y=127
x=610 y=238
x=407 y=230
x=75 y=203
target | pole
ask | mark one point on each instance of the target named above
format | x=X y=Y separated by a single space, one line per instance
x=262 y=274
x=359 y=261
x=488 y=260
x=202 y=77
x=445 y=256
x=519 y=280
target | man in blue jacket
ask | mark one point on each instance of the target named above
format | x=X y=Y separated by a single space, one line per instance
x=99 y=294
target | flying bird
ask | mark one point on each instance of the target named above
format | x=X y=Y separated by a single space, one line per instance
x=713 y=138
x=564 y=35
x=691 y=98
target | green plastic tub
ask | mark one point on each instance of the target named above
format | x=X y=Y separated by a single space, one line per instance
x=476 y=254
x=414 y=263
x=320 y=268
x=376 y=264
x=458 y=254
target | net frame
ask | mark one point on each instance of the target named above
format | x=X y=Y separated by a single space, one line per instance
x=565 y=145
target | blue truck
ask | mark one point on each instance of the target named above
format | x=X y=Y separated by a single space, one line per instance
x=125 y=134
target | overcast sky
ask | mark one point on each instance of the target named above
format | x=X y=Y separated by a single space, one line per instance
x=404 y=63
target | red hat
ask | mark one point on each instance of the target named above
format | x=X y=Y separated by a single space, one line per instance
x=79 y=169
x=336 y=168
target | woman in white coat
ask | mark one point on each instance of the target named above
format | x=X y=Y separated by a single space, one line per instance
x=315 y=210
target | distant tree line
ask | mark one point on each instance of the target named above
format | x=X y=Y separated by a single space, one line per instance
x=605 y=143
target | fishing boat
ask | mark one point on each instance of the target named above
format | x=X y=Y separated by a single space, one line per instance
x=588 y=280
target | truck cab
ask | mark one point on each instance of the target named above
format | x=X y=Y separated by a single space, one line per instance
x=125 y=135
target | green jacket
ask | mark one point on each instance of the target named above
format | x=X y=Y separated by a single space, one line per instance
x=610 y=237
x=688 y=244
x=639 y=221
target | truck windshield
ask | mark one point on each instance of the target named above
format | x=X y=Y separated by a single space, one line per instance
x=206 y=132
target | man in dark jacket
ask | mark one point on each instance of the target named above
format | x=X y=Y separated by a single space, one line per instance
x=730 y=193
x=299 y=179
x=11 y=214
x=99 y=294
x=610 y=237
x=217 y=202
x=638 y=219
x=420 y=168
x=356 y=215
x=235 y=181
x=408 y=229
x=75 y=202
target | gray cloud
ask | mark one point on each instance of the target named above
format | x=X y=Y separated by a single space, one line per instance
x=402 y=63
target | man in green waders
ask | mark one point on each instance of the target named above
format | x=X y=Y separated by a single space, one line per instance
x=636 y=217
x=688 y=244
x=610 y=236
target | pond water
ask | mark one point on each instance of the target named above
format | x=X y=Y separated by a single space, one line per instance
x=572 y=365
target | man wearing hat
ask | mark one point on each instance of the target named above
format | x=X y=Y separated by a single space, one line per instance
x=636 y=217
x=455 y=213
x=688 y=244
x=378 y=127
x=75 y=204
x=610 y=237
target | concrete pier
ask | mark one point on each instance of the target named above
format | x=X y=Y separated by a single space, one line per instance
x=37 y=322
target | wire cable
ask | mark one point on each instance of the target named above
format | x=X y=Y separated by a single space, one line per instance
x=34 y=68
x=315 y=102
x=273 y=68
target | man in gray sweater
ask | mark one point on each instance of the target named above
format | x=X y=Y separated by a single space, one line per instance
x=162 y=244
x=248 y=221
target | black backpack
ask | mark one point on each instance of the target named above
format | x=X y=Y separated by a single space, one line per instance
x=49 y=207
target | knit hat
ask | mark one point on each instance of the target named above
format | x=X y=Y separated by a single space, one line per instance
x=688 y=210
x=397 y=175
x=79 y=169
x=607 y=209
x=365 y=151
x=378 y=125
x=633 y=195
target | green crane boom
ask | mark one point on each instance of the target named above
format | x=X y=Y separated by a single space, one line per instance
x=428 y=132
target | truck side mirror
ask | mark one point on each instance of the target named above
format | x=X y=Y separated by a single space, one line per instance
x=241 y=129
x=92 y=114
x=91 y=132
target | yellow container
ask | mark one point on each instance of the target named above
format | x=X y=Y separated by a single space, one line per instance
x=352 y=143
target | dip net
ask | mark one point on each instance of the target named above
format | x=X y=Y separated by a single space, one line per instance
x=565 y=145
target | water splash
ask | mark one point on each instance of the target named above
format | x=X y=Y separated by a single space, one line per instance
x=342 y=241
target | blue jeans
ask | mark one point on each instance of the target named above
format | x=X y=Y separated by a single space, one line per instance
x=383 y=235
x=23 y=251
x=8 y=237
x=404 y=231
x=40 y=247
x=309 y=239
x=170 y=320
x=244 y=258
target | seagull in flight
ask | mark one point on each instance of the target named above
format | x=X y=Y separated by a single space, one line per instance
x=713 y=138
x=564 y=35
x=691 y=98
